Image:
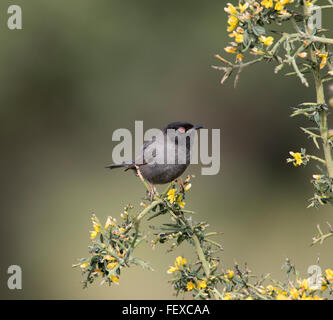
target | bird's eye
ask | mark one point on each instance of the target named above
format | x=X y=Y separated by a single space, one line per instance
x=181 y=129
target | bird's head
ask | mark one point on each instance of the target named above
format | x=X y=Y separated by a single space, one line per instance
x=181 y=127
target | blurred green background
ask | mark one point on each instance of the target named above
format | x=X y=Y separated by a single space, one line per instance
x=81 y=69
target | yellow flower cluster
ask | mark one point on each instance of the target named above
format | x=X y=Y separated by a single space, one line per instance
x=179 y=262
x=239 y=16
x=180 y=265
x=278 y=5
x=267 y=41
x=329 y=278
x=96 y=227
x=233 y=25
x=297 y=158
x=190 y=286
x=172 y=197
x=329 y=275
x=229 y=275
x=202 y=284
x=301 y=289
x=109 y=223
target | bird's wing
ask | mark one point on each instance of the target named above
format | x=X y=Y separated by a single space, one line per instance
x=147 y=152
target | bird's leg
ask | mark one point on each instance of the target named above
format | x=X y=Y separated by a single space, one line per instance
x=150 y=188
x=151 y=192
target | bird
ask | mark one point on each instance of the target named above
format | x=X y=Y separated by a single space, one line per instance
x=174 y=142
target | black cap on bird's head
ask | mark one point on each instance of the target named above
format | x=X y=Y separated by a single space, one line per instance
x=180 y=126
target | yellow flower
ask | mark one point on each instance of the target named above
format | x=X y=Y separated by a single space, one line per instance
x=230 y=274
x=109 y=258
x=180 y=202
x=190 y=286
x=171 y=195
x=308 y=3
x=263 y=291
x=286 y=1
x=230 y=9
x=267 y=41
x=256 y=51
x=112 y=265
x=284 y=12
x=329 y=275
x=180 y=261
x=188 y=186
x=317 y=176
x=271 y=289
x=202 y=284
x=294 y=293
x=297 y=161
x=93 y=235
x=243 y=7
x=233 y=22
x=240 y=57
x=98 y=271
x=267 y=3
x=108 y=223
x=240 y=30
x=173 y=269
x=304 y=284
x=304 y=297
x=114 y=279
x=239 y=38
x=227 y=296
x=249 y=298
x=96 y=227
x=279 y=291
x=84 y=265
x=213 y=266
x=229 y=49
x=302 y=54
x=278 y=6
x=122 y=229
x=323 y=57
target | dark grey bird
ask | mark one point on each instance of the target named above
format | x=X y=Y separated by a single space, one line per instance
x=166 y=156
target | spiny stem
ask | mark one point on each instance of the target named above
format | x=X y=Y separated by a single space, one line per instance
x=317 y=158
x=196 y=241
x=321 y=237
x=204 y=263
x=321 y=100
x=201 y=255
x=147 y=209
x=320 y=39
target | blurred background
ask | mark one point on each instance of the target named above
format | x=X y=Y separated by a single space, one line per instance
x=81 y=69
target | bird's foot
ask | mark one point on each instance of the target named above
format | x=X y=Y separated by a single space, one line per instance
x=152 y=192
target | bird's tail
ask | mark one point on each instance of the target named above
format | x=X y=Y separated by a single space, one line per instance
x=113 y=166
x=121 y=165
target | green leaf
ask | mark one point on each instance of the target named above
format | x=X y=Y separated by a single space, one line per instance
x=258 y=30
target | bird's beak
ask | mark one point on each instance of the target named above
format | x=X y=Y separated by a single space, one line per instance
x=198 y=127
